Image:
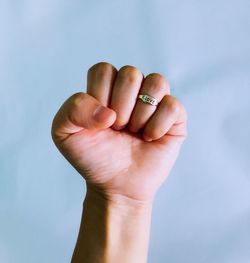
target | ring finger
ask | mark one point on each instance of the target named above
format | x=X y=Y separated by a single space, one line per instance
x=170 y=118
x=154 y=85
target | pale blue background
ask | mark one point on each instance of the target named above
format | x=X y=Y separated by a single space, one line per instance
x=202 y=212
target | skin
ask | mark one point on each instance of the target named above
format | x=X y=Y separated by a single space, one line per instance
x=124 y=149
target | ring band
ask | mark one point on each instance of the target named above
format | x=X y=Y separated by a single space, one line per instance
x=148 y=99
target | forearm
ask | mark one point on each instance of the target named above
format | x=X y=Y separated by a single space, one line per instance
x=113 y=231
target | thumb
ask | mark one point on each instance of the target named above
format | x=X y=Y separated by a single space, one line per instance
x=81 y=111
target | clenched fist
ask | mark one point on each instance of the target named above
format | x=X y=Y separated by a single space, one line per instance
x=120 y=144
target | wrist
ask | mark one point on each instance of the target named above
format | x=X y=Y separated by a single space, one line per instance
x=118 y=203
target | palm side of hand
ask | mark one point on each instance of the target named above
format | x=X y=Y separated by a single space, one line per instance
x=119 y=162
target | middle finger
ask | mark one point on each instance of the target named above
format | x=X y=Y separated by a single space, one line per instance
x=124 y=94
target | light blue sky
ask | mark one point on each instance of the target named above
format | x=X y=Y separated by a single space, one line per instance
x=202 y=212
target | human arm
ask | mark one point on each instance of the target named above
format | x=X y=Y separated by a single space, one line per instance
x=124 y=153
x=113 y=230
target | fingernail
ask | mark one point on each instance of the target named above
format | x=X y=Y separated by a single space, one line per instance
x=119 y=127
x=147 y=138
x=101 y=113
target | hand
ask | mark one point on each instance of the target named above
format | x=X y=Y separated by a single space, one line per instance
x=122 y=146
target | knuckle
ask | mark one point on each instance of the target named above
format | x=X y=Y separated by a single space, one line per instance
x=101 y=68
x=173 y=105
x=77 y=99
x=158 y=81
x=129 y=73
